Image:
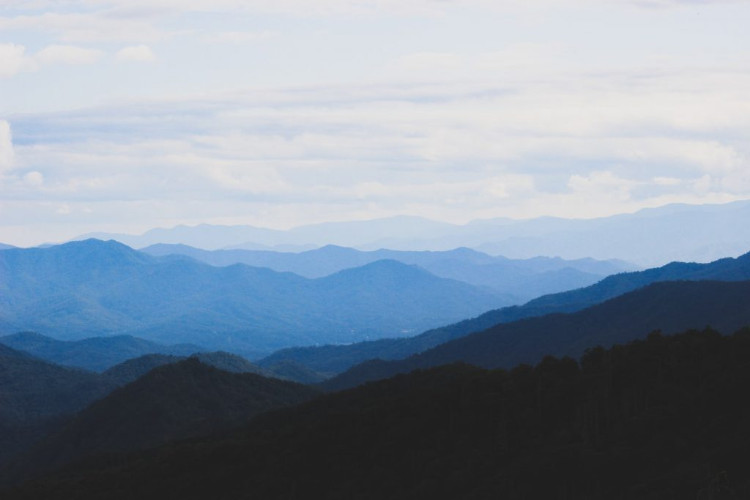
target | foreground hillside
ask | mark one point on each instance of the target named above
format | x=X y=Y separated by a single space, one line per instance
x=669 y=306
x=94 y=288
x=338 y=358
x=655 y=419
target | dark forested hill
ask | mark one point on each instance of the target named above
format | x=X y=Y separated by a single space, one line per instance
x=660 y=418
x=91 y=288
x=178 y=400
x=666 y=306
x=337 y=358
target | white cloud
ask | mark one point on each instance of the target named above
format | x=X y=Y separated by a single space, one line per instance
x=13 y=60
x=68 y=54
x=87 y=26
x=137 y=53
x=240 y=37
x=429 y=61
x=34 y=179
x=6 y=146
x=554 y=106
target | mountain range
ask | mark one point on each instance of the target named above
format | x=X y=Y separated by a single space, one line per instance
x=519 y=279
x=337 y=358
x=667 y=307
x=649 y=237
x=94 y=288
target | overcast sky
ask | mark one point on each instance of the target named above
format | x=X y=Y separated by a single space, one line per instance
x=123 y=115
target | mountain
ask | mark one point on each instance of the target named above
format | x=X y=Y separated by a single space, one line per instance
x=36 y=395
x=337 y=358
x=175 y=401
x=661 y=418
x=33 y=389
x=133 y=369
x=674 y=232
x=521 y=279
x=95 y=354
x=665 y=306
x=94 y=288
x=340 y=233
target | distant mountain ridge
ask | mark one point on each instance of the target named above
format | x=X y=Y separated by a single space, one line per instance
x=94 y=288
x=521 y=279
x=674 y=232
x=337 y=358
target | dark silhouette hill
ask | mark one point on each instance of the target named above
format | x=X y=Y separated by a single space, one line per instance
x=659 y=418
x=95 y=288
x=337 y=358
x=179 y=400
x=95 y=354
x=669 y=306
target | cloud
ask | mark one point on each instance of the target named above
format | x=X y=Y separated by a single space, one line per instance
x=13 y=60
x=137 y=53
x=68 y=54
x=6 y=146
x=34 y=179
x=87 y=26
x=240 y=37
x=554 y=107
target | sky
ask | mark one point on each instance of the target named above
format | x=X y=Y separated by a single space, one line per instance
x=122 y=116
